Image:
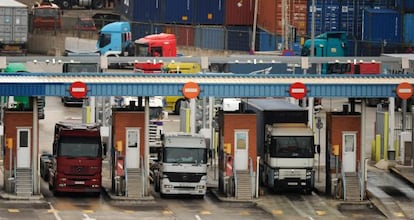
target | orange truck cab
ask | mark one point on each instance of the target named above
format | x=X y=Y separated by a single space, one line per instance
x=154 y=45
x=46 y=16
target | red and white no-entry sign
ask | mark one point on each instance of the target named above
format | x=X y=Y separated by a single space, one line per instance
x=191 y=90
x=405 y=90
x=297 y=90
x=78 y=89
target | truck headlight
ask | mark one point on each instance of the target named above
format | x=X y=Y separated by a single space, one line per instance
x=309 y=174
x=276 y=174
x=201 y=187
x=168 y=186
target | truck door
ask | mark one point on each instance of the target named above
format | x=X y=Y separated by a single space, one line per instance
x=241 y=149
x=23 y=147
x=132 y=156
x=349 y=151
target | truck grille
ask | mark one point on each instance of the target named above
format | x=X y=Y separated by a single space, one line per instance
x=184 y=177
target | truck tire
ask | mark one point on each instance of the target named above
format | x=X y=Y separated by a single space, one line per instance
x=66 y=4
x=98 y=4
x=216 y=68
x=177 y=107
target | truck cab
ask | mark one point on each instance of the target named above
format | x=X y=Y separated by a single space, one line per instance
x=329 y=44
x=181 y=168
x=115 y=39
x=46 y=16
x=154 y=45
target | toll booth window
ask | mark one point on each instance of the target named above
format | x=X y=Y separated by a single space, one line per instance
x=104 y=39
x=24 y=138
x=133 y=139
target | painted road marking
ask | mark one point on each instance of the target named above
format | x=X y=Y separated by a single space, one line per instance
x=88 y=211
x=244 y=213
x=167 y=212
x=277 y=212
x=205 y=212
x=399 y=214
x=13 y=210
x=320 y=212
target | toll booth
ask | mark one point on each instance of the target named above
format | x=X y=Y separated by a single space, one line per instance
x=128 y=141
x=237 y=154
x=343 y=154
x=18 y=151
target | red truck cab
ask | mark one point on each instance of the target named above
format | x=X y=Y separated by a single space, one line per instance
x=77 y=159
x=154 y=45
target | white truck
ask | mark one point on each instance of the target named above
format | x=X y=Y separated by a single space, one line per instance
x=285 y=144
x=182 y=165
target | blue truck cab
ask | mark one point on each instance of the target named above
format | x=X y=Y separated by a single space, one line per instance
x=115 y=40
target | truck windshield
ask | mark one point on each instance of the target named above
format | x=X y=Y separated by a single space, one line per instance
x=79 y=147
x=185 y=155
x=46 y=12
x=104 y=39
x=292 y=147
x=142 y=50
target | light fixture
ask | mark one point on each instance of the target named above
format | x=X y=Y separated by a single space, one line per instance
x=240 y=3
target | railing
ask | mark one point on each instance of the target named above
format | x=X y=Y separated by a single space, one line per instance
x=251 y=171
x=235 y=178
x=126 y=177
x=14 y=173
x=343 y=179
x=144 y=182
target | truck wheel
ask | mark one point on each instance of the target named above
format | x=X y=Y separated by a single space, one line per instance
x=98 y=4
x=216 y=68
x=157 y=185
x=177 y=107
x=65 y=4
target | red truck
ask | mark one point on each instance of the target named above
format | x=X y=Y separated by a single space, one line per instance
x=46 y=16
x=154 y=45
x=77 y=158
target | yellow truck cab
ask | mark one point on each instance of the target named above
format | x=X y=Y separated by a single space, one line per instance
x=173 y=103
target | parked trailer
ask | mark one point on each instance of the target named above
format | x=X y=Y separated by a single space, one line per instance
x=13 y=27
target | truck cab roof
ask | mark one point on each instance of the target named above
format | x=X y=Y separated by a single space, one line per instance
x=119 y=26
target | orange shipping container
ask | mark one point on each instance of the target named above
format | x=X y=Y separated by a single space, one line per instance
x=269 y=16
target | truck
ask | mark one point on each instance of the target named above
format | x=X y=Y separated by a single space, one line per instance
x=154 y=45
x=285 y=145
x=77 y=158
x=23 y=102
x=181 y=167
x=88 y=4
x=46 y=16
x=14 y=28
x=72 y=67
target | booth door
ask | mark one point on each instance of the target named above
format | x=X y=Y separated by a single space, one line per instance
x=132 y=149
x=23 y=148
x=349 y=152
x=241 y=150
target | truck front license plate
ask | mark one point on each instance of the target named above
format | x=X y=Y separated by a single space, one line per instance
x=79 y=182
x=292 y=183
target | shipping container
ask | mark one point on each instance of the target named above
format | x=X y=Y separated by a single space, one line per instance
x=326 y=16
x=127 y=9
x=239 y=12
x=145 y=10
x=208 y=12
x=407 y=6
x=139 y=30
x=381 y=25
x=270 y=16
x=209 y=37
x=408 y=28
x=179 y=12
x=13 y=26
x=184 y=34
x=265 y=41
x=239 y=38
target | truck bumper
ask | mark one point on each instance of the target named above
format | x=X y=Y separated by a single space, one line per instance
x=293 y=183
x=183 y=188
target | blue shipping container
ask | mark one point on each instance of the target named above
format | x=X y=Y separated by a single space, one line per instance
x=326 y=16
x=148 y=10
x=408 y=28
x=209 y=12
x=238 y=38
x=126 y=9
x=179 y=12
x=381 y=25
x=208 y=37
x=139 y=30
x=265 y=41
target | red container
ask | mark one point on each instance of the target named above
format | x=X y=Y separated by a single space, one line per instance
x=269 y=16
x=239 y=12
x=183 y=33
